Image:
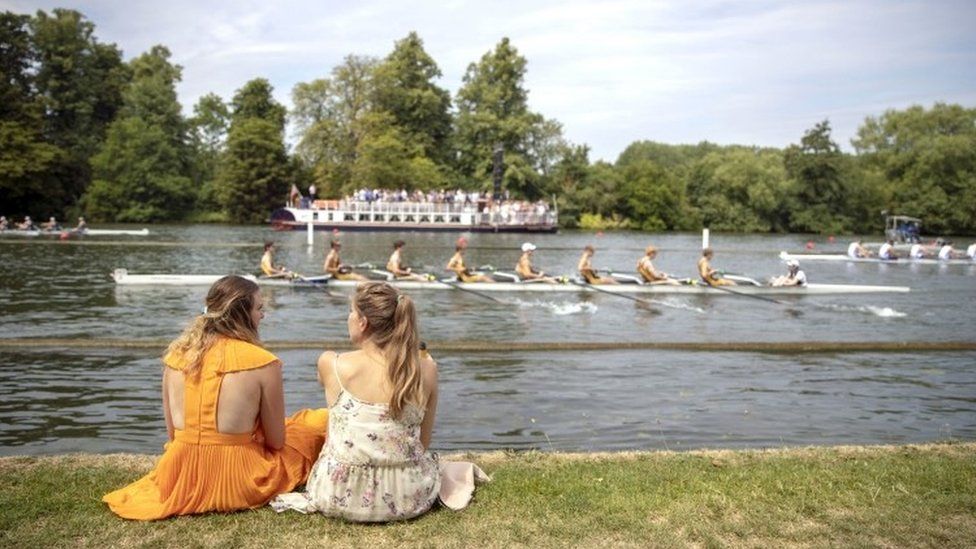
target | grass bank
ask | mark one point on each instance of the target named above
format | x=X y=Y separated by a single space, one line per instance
x=841 y=496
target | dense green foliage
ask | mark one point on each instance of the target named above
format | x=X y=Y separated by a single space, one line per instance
x=83 y=131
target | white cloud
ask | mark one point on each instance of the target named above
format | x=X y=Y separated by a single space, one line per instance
x=612 y=72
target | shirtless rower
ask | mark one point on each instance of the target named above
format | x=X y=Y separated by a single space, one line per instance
x=524 y=267
x=857 y=250
x=333 y=265
x=793 y=277
x=51 y=224
x=268 y=267
x=456 y=264
x=587 y=271
x=646 y=269
x=395 y=265
x=709 y=275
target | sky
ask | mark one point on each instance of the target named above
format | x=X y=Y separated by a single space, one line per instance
x=611 y=72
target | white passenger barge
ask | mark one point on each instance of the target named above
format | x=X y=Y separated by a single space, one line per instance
x=477 y=217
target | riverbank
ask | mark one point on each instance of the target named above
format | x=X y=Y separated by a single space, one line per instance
x=917 y=495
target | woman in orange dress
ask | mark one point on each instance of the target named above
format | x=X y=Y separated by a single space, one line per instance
x=230 y=446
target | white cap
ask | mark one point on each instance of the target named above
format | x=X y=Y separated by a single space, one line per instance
x=528 y=247
x=792 y=263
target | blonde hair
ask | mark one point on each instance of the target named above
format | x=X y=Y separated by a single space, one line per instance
x=227 y=313
x=391 y=324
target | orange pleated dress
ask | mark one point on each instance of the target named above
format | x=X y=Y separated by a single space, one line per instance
x=202 y=470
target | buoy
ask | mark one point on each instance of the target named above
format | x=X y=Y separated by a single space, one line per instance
x=599 y=233
x=810 y=244
x=830 y=239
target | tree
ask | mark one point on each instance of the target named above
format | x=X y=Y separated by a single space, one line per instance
x=330 y=117
x=208 y=134
x=141 y=170
x=927 y=158
x=404 y=88
x=656 y=199
x=821 y=175
x=25 y=159
x=740 y=189
x=254 y=171
x=79 y=82
x=492 y=109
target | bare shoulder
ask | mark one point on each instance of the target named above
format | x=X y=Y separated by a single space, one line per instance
x=428 y=368
x=326 y=362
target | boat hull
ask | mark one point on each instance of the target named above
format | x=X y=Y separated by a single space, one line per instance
x=122 y=277
x=901 y=261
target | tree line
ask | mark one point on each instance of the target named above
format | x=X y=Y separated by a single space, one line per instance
x=84 y=132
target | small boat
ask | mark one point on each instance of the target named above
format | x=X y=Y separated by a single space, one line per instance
x=106 y=232
x=68 y=233
x=20 y=232
x=785 y=256
x=122 y=277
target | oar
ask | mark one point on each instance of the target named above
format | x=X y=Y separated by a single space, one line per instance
x=754 y=296
x=457 y=286
x=597 y=289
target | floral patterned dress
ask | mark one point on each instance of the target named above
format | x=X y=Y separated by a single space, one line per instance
x=373 y=467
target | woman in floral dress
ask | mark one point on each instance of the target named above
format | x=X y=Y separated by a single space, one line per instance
x=375 y=466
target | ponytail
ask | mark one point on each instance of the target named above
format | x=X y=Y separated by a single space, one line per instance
x=392 y=320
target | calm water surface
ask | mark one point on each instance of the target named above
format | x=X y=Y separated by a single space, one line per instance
x=107 y=399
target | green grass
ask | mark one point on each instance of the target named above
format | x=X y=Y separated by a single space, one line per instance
x=903 y=496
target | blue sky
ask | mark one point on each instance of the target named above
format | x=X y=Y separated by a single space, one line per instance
x=612 y=72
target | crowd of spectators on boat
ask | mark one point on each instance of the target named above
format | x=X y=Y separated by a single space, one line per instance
x=504 y=210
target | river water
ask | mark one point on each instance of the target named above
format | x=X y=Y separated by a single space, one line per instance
x=88 y=393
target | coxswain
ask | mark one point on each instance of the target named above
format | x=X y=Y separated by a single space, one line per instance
x=857 y=250
x=27 y=225
x=456 y=264
x=51 y=224
x=586 y=270
x=887 y=251
x=793 y=277
x=524 y=268
x=645 y=267
x=395 y=265
x=268 y=267
x=709 y=275
x=334 y=266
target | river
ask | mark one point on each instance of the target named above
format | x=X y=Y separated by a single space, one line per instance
x=90 y=393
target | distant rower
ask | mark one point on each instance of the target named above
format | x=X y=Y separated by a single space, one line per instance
x=395 y=264
x=709 y=275
x=646 y=269
x=887 y=251
x=793 y=277
x=333 y=265
x=4 y=224
x=971 y=251
x=268 y=266
x=524 y=267
x=456 y=264
x=857 y=250
x=586 y=270
x=51 y=224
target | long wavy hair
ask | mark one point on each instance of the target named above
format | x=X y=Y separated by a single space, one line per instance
x=391 y=320
x=228 y=313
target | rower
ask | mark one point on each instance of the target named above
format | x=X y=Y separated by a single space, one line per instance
x=395 y=264
x=887 y=251
x=27 y=225
x=524 y=267
x=947 y=252
x=916 y=252
x=793 y=277
x=456 y=264
x=268 y=267
x=586 y=270
x=709 y=275
x=646 y=269
x=4 y=224
x=82 y=226
x=334 y=266
x=51 y=224
x=857 y=250
x=971 y=251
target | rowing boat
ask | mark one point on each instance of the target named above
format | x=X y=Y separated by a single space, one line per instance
x=71 y=232
x=900 y=261
x=122 y=277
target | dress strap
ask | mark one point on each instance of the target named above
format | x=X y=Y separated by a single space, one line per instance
x=335 y=368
